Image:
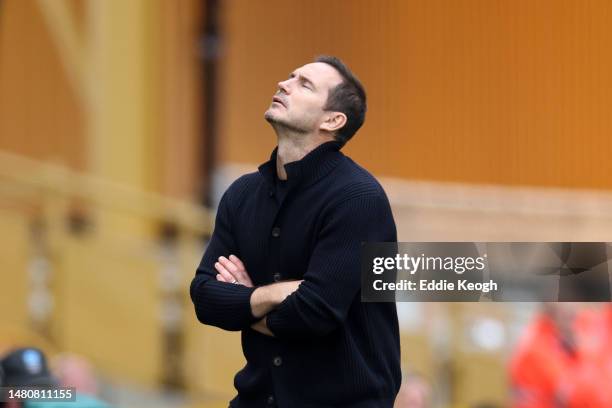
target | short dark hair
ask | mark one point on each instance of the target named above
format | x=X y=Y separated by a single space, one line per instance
x=348 y=97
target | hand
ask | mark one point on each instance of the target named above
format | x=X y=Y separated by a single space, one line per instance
x=262 y=327
x=266 y=298
x=284 y=289
x=232 y=270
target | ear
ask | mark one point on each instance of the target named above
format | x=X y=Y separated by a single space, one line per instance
x=333 y=121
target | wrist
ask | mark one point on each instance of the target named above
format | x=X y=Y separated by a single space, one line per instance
x=262 y=301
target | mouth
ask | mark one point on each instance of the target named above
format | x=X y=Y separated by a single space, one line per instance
x=278 y=100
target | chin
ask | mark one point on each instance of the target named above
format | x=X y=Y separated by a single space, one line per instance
x=272 y=117
x=278 y=122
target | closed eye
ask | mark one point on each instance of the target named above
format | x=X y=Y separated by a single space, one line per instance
x=305 y=82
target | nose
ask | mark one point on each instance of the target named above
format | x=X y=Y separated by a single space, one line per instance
x=284 y=86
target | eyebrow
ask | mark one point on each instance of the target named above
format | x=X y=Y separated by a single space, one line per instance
x=303 y=78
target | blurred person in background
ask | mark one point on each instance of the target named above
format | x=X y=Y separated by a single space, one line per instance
x=283 y=263
x=590 y=386
x=414 y=393
x=75 y=371
x=564 y=359
x=27 y=367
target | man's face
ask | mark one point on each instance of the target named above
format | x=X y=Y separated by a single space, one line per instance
x=298 y=103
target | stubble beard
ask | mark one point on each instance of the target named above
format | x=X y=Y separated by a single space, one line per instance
x=283 y=126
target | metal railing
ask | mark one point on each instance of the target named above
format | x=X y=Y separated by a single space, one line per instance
x=78 y=285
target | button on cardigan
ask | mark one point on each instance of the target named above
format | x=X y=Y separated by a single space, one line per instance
x=329 y=348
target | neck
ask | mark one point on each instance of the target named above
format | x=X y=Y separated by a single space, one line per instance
x=294 y=146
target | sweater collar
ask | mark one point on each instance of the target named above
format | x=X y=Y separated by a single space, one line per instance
x=316 y=164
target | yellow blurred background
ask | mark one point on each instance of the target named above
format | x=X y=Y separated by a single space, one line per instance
x=121 y=123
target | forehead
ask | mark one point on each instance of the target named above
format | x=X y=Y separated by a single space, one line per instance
x=320 y=73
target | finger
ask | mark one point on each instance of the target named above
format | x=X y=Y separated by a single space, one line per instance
x=220 y=278
x=236 y=268
x=244 y=275
x=229 y=265
x=237 y=262
x=226 y=274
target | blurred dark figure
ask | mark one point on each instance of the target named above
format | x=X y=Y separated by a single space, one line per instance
x=1 y=385
x=564 y=359
x=27 y=367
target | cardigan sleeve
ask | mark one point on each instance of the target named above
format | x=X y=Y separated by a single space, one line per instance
x=221 y=304
x=332 y=281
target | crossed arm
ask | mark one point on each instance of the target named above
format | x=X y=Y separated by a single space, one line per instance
x=224 y=295
x=264 y=298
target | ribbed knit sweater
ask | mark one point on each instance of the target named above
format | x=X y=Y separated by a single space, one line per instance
x=329 y=348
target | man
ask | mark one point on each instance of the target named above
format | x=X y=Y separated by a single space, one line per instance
x=283 y=263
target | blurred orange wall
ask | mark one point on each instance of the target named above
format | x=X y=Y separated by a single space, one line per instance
x=149 y=72
x=474 y=91
x=40 y=116
x=489 y=91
